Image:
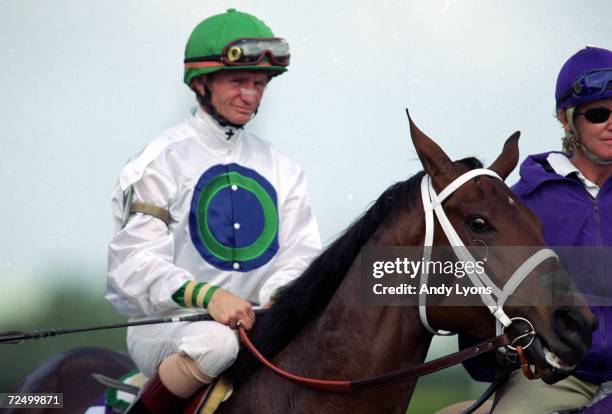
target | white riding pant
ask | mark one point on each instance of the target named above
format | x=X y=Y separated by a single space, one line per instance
x=211 y=345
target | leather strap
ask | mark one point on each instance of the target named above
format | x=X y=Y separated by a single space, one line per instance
x=525 y=364
x=315 y=384
x=407 y=374
x=151 y=210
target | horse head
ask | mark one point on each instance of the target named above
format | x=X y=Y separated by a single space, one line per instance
x=484 y=214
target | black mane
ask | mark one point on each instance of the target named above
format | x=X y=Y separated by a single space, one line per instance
x=306 y=298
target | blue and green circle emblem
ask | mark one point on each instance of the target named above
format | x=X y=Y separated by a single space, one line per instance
x=233 y=221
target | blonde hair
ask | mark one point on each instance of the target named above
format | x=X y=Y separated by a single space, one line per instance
x=571 y=140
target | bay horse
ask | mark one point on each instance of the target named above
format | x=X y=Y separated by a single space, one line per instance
x=320 y=327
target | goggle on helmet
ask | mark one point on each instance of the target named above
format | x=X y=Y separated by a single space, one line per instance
x=590 y=86
x=247 y=52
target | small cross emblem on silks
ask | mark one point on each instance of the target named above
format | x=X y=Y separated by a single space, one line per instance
x=230 y=134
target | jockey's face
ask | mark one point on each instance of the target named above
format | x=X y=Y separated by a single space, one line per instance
x=596 y=137
x=235 y=94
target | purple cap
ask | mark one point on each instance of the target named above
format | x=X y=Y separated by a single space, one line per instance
x=571 y=89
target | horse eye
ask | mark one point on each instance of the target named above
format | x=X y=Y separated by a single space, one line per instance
x=478 y=224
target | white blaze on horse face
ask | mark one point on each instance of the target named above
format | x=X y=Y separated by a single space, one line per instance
x=511 y=201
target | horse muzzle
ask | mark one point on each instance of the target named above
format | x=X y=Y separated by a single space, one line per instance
x=557 y=358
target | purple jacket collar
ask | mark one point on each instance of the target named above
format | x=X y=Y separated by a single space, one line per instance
x=534 y=172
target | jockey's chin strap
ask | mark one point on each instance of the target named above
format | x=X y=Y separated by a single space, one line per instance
x=432 y=202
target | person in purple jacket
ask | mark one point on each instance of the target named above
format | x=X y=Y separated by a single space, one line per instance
x=571 y=193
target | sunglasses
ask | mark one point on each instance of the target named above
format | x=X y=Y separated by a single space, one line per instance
x=597 y=115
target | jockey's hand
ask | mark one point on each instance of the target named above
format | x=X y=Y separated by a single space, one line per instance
x=229 y=309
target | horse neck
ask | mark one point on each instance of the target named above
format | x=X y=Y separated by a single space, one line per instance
x=387 y=337
x=349 y=340
x=352 y=340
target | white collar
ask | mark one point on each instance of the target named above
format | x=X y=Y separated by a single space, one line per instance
x=562 y=165
x=213 y=134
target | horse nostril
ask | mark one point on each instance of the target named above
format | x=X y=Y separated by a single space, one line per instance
x=569 y=322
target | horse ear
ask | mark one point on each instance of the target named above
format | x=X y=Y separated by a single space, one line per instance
x=507 y=160
x=434 y=159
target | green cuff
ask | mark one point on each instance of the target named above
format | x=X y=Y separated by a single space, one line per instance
x=179 y=295
x=194 y=294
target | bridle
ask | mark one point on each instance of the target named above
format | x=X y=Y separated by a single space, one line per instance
x=432 y=202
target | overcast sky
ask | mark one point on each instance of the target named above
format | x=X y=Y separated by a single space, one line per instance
x=86 y=84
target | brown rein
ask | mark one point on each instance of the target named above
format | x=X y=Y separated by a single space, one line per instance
x=406 y=374
x=525 y=364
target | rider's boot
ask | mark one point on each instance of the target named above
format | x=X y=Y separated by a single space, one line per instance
x=155 y=398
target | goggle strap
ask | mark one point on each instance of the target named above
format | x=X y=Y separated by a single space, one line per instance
x=209 y=58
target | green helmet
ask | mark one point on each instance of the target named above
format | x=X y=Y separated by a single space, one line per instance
x=234 y=40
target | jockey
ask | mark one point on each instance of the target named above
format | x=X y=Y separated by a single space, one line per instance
x=571 y=193
x=208 y=216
